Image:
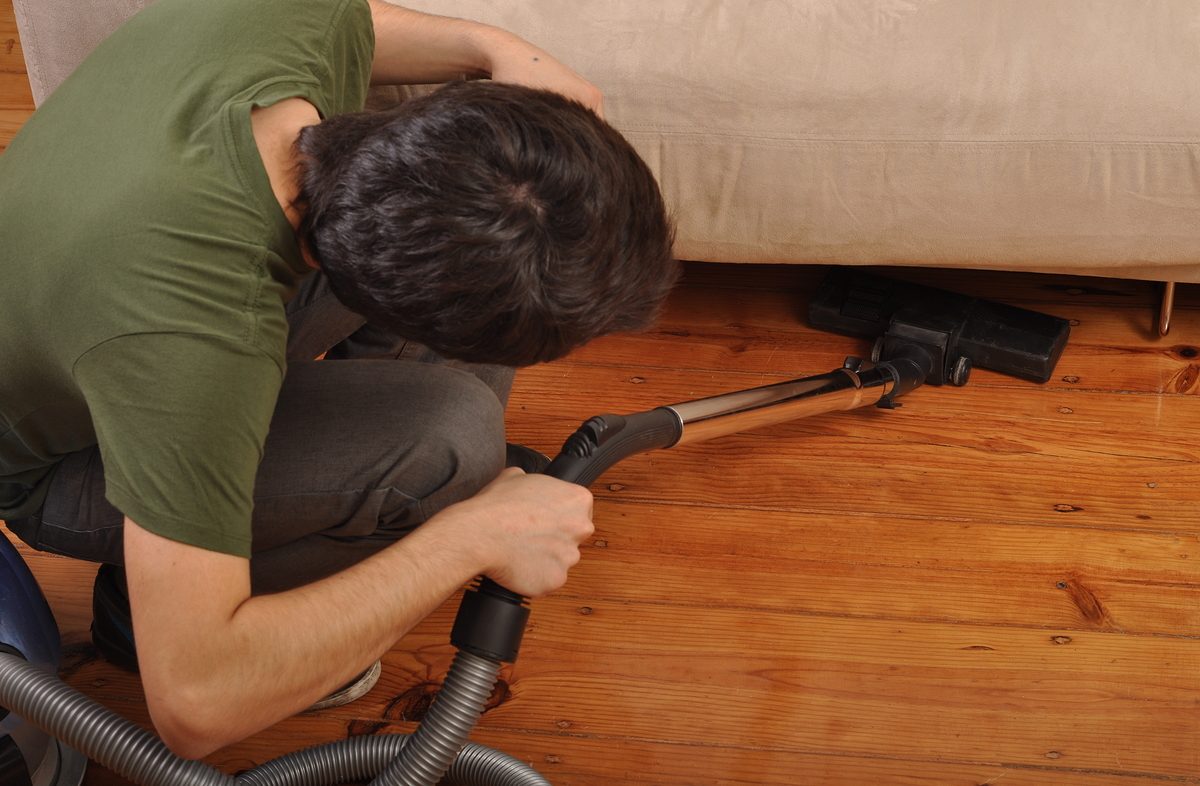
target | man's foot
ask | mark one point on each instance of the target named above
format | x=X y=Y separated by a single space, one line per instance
x=112 y=633
x=527 y=459
x=354 y=689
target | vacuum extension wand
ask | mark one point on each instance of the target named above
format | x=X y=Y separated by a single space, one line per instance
x=491 y=619
x=487 y=631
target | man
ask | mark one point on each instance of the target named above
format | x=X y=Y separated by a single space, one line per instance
x=200 y=212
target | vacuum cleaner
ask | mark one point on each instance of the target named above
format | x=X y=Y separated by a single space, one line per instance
x=922 y=336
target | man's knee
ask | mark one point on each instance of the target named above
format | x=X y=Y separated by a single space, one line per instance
x=470 y=425
x=459 y=447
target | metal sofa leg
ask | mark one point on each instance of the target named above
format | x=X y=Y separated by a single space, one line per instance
x=1165 y=309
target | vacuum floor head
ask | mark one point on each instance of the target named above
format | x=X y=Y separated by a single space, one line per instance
x=956 y=331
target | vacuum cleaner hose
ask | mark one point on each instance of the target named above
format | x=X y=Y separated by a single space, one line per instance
x=359 y=758
x=137 y=755
x=120 y=745
x=455 y=711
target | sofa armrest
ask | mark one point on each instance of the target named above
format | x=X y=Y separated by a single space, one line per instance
x=56 y=36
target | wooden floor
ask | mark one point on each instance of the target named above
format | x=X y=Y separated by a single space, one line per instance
x=16 y=101
x=998 y=584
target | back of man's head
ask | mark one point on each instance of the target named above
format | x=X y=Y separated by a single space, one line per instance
x=490 y=222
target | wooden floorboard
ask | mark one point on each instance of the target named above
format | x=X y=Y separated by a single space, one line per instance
x=16 y=100
x=998 y=584
x=14 y=91
x=868 y=689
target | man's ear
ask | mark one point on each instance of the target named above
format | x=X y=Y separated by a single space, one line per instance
x=306 y=253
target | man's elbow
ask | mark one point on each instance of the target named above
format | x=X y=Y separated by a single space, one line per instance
x=190 y=725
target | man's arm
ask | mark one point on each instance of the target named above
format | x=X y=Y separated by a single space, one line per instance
x=416 y=48
x=218 y=664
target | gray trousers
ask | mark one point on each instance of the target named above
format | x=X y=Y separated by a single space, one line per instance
x=364 y=446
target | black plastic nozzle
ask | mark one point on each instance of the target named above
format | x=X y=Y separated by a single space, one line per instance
x=949 y=326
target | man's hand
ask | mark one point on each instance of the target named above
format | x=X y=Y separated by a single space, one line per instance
x=519 y=62
x=527 y=528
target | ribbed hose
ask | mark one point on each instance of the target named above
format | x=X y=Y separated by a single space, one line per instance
x=123 y=747
x=481 y=766
x=444 y=732
x=353 y=759
x=360 y=758
x=138 y=756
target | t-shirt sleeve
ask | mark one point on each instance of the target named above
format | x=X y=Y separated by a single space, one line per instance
x=346 y=72
x=181 y=421
x=326 y=57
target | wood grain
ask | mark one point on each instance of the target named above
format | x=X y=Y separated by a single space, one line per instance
x=997 y=467
x=16 y=100
x=14 y=92
x=1102 y=703
x=571 y=759
x=12 y=58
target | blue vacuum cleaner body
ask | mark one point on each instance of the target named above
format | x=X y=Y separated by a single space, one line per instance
x=28 y=757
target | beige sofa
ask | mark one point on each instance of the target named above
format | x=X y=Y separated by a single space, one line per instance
x=1009 y=134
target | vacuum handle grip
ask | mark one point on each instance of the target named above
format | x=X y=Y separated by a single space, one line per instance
x=491 y=619
x=604 y=440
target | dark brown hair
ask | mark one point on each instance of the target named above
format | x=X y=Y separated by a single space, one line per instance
x=490 y=222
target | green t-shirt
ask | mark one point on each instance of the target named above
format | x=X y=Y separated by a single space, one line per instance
x=145 y=262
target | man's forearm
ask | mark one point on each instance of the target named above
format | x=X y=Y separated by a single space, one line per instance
x=218 y=664
x=223 y=676
x=416 y=48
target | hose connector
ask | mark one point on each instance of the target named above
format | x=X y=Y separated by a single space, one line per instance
x=490 y=622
